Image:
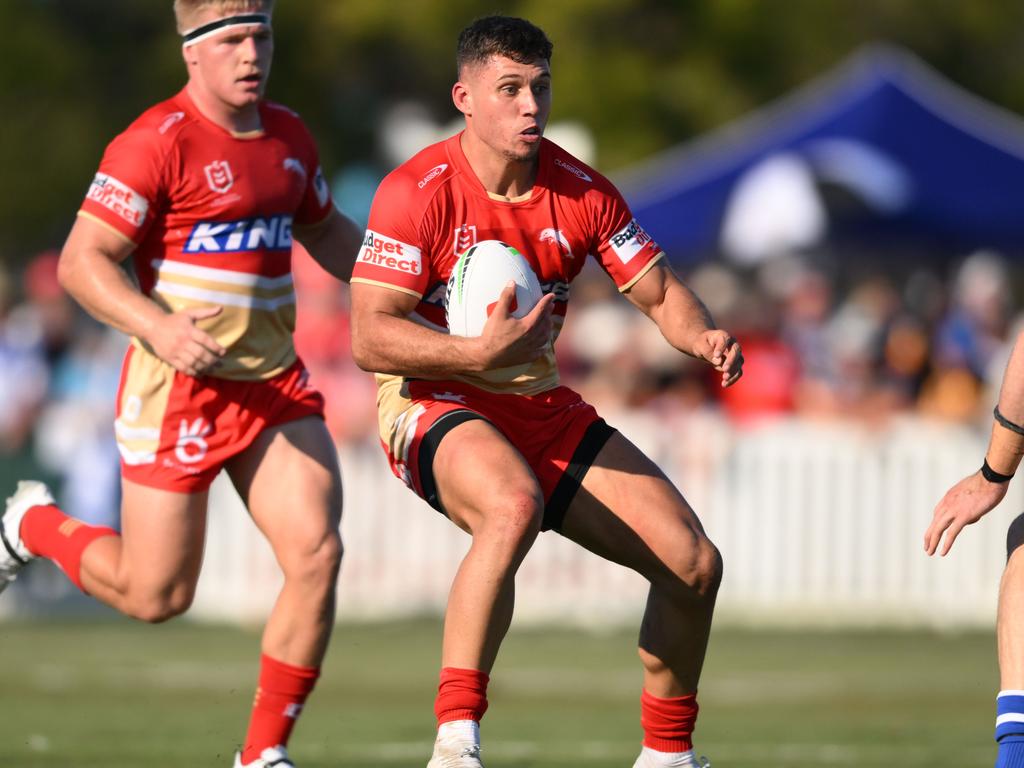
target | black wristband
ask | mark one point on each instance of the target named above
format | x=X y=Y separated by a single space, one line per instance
x=1005 y=422
x=991 y=475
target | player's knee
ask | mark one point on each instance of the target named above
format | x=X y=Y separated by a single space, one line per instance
x=521 y=515
x=161 y=607
x=697 y=573
x=316 y=561
x=512 y=521
x=1015 y=535
x=327 y=557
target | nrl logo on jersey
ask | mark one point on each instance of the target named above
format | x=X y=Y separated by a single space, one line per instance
x=463 y=238
x=219 y=176
x=271 y=234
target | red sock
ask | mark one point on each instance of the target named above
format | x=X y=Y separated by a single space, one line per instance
x=282 y=690
x=49 y=533
x=668 y=723
x=461 y=695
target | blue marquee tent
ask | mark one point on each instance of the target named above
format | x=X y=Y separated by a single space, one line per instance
x=938 y=165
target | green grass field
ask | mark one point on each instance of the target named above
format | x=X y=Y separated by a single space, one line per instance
x=112 y=693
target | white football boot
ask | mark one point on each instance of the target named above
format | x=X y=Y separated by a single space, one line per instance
x=455 y=756
x=271 y=757
x=457 y=746
x=13 y=555
x=651 y=759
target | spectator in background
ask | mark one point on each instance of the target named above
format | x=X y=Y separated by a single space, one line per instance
x=774 y=364
x=24 y=373
x=968 y=338
x=73 y=436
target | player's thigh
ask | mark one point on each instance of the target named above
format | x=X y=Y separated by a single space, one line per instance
x=629 y=512
x=480 y=476
x=162 y=536
x=290 y=482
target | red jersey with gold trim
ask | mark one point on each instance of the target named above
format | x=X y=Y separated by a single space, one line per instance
x=211 y=216
x=433 y=207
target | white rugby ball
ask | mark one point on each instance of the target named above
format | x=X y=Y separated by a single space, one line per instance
x=477 y=280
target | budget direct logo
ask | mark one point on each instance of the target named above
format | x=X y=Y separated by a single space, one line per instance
x=391 y=254
x=629 y=241
x=119 y=198
x=257 y=234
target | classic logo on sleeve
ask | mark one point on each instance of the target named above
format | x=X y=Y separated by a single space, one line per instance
x=432 y=174
x=572 y=169
x=170 y=120
x=629 y=241
x=391 y=254
x=119 y=198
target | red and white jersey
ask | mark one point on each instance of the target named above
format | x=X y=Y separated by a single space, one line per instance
x=433 y=207
x=210 y=214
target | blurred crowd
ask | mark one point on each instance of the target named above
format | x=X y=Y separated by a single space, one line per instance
x=820 y=342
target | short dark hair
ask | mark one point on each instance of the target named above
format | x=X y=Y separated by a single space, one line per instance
x=507 y=36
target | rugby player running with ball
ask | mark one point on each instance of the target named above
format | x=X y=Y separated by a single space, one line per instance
x=480 y=427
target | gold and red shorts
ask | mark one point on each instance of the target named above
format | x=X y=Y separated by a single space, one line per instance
x=175 y=432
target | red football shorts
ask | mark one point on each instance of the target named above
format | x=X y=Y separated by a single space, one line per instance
x=557 y=433
x=175 y=432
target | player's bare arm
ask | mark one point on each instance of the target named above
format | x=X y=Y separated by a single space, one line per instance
x=384 y=340
x=333 y=243
x=90 y=271
x=977 y=494
x=685 y=322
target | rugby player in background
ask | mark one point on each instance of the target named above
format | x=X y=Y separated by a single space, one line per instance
x=967 y=502
x=205 y=191
x=507 y=454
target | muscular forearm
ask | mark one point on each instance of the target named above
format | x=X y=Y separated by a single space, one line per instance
x=1006 y=445
x=1011 y=394
x=383 y=343
x=107 y=293
x=333 y=244
x=682 y=317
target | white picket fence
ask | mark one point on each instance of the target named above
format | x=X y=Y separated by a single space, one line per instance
x=819 y=524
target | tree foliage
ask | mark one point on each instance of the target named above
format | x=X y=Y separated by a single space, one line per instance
x=641 y=74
